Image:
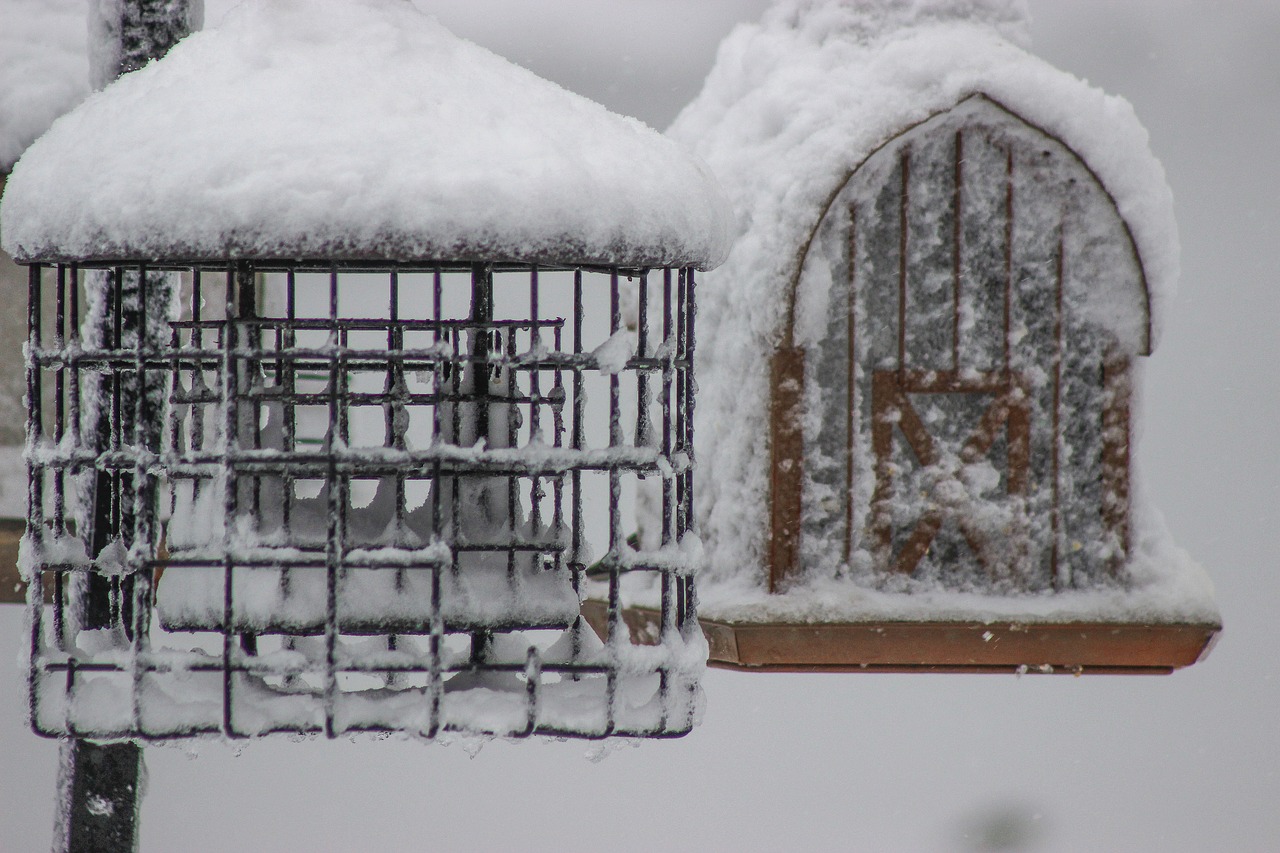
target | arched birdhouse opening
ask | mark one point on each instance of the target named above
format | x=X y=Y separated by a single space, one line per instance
x=974 y=413
x=931 y=329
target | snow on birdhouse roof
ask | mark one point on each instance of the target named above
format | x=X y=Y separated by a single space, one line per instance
x=355 y=129
x=797 y=100
x=44 y=69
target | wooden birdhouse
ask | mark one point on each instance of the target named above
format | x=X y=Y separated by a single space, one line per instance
x=921 y=361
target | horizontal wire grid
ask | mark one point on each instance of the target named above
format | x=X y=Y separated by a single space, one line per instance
x=338 y=498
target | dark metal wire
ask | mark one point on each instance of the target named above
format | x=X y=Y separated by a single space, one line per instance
x=452 y=387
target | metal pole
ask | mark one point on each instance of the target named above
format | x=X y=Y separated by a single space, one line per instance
x=100 y=784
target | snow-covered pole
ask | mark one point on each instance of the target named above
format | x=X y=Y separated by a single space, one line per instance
x=100 y=784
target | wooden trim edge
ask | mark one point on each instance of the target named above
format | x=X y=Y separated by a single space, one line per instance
x=1073 y=648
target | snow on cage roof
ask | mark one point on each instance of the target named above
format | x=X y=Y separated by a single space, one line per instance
x=355 y=129
x=792 y=105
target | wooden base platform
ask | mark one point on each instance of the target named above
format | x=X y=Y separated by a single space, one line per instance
x=1075 y=648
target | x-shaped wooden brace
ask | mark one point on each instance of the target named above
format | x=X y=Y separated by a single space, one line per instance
x=891 y=406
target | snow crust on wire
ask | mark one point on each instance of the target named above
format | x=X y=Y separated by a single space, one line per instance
x=355 y=128
x=792 y=106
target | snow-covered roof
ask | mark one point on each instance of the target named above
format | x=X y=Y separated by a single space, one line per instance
x=44 y=69
x=355 y=129
x=798 y=99
x=792 y=105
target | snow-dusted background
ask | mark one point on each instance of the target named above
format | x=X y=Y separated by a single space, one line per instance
x=847 y=762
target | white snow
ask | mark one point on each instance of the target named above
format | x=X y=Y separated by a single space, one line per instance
x=13 y=483
x=793 y=104
x=44 y=69
x=356 y=128
x=613 y=355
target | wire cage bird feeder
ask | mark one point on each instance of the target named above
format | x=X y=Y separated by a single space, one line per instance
x=955 y=298
x=336 y=472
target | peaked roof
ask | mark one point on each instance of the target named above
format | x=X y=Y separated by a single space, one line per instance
x=357 y=129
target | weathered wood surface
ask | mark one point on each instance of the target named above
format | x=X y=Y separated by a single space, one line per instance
x=1063 y=648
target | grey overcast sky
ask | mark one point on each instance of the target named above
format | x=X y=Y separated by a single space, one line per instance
x=878 y=763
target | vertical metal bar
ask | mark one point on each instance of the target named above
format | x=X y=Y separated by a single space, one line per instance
x=681 y=414
x=35 y=477
x=439 y=375
x=143 y=534
x=577 y=535
x=579 y=398
x=691 y=317
x=576 y=428
x=198 y=384
x=536 y=489
x=956 y=258
x=615 y=478
x=851 y=327
x=397 y=415
x=337 y=506
x=173 y=382
x=643 y=428
x=435 y=642
x=1060 y=570
x=77 y=351
x=59 y=398
x=557 y=483
x=513 y=481
x=668 y=378
x=289 y=427
x=903 y=260
x=688 y=618
x=1008 y=261
x=481 y=319
x=532 y=681
x=230 y=494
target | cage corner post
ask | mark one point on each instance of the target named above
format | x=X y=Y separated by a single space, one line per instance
x=99 y=784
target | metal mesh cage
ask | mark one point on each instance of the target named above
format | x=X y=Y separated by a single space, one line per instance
x=295 y=497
